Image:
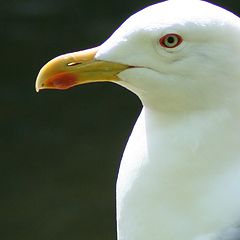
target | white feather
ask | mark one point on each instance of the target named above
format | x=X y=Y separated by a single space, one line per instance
x=180 y=173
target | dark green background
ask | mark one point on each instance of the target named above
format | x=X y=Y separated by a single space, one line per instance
x=60 y=150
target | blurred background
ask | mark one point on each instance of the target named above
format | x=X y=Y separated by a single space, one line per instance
x=60 y=150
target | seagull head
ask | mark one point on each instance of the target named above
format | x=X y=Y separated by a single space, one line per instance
x=175 y=55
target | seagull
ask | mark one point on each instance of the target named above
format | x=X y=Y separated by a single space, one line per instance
x=179 y=177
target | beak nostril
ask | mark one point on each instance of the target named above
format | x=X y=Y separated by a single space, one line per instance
x=72 y=64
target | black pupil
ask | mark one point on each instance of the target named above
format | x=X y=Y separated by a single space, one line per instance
x=171 y=39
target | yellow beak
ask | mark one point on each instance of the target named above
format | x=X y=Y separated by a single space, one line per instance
x=76 y=68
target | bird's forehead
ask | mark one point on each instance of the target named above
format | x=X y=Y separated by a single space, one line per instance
x=180 y=12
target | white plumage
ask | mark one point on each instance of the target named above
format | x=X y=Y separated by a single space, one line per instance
x=180 y=173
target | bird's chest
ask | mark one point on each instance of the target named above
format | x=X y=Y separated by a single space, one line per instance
x=172 y=177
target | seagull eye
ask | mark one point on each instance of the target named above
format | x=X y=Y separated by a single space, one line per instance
x=170 y=40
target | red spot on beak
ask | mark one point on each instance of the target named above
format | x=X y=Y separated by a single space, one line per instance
x=61 y=81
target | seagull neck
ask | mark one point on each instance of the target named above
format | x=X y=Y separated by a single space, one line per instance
x=195 y=132
x=165 y=118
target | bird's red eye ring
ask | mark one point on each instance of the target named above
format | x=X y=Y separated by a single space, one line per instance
x=170 y=40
